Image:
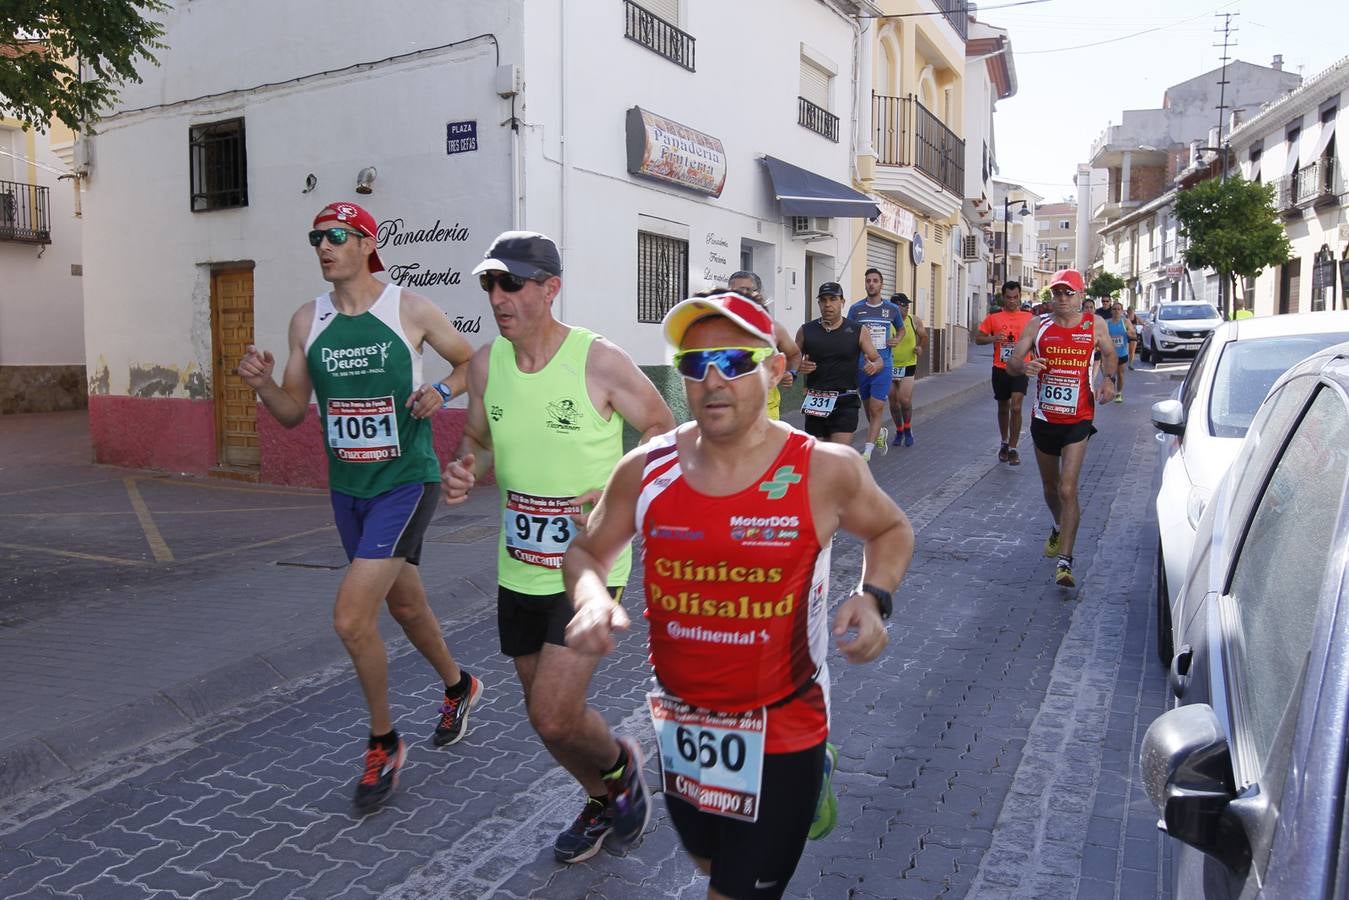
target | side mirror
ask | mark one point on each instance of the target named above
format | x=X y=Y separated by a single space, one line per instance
x=1169 y=416
x=1187 y=773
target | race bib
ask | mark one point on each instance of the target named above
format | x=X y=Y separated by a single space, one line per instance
x=1120 y=341
x=1059 y=394
x=538 y=530
x=819 y=403
x=1005 y=352
x=712 y=760
x=364 y=430
x=880 y=334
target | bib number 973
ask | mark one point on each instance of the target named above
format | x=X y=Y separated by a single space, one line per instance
x=712 y=760
x=538 y=530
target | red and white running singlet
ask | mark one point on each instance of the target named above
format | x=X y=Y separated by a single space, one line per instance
x=736 y=593
x=1063 y=394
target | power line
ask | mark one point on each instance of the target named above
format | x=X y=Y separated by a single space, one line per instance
x=938 y=12
x=1115 y=39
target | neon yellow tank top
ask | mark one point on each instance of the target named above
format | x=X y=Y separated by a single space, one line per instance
x=906 y=353
x=549 y=444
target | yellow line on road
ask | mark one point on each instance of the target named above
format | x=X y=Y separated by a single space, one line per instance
x=152 y=536
x=116 y=560
x=257 y=544
x=55 y=487
x=241 y=488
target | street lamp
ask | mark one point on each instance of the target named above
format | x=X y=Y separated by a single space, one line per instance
x=1044 y=257
x=1006 y=238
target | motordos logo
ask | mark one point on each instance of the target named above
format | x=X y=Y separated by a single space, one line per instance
x=367 y=360
x=564 y=415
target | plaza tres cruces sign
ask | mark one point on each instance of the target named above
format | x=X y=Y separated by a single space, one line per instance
x=675 y=154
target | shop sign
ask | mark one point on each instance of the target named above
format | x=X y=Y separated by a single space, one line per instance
x=719 y=260
x=665 y=150
x=1175 y=270
x=894 y=218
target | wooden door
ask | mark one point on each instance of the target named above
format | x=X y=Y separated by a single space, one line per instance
x=236 y=407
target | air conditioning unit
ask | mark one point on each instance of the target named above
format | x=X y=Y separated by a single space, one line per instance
x=969 y=248
x=812 y=226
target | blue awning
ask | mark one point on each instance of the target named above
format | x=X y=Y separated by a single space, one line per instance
x=803 y=193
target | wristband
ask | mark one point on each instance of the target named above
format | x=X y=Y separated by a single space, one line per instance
x=446 y=394
x=792 y=372
x=883 y=599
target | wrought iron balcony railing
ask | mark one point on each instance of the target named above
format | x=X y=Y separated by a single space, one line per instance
x=25 y=213
x=957 y=12
x=907 y=134
x=657 y=35
x=821 y=121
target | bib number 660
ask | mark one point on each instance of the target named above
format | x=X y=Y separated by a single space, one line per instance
x=702 y=747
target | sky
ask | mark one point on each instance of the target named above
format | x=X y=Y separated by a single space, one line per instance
x=1066 y=97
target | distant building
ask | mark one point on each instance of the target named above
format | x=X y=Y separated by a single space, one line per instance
x=1055 y=239
x=990 y=76
x=1014 y=253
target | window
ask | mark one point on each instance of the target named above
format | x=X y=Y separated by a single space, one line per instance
x=1042 y=225
x=662 y=274
x=1246 y=371
x=219 y=165
x=653 y=24
x=1065 y=225
x=817 y=77
x=1277 y=580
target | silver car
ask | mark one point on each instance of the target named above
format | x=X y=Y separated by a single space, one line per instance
x=1175 y=329
x=1201 y=431
x=1250 y=771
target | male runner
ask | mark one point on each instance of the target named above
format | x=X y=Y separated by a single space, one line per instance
x=882 y=320
x=751 y=286
x=738 y=514
x=359 y=349
x=912 y=344
x=547 y=403
x=1064 y=345
x=1002 y=329
x=829 y=348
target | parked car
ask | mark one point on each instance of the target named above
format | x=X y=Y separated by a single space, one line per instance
x=1201 y=430
x=1250 y=771
x=1176 y=328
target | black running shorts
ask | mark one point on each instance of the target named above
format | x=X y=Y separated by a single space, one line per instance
x=1050 y=439
x=842 y=420
x=525 y=622
x=1005 y=384
x=757 y=859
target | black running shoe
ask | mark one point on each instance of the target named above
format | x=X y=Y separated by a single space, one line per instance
x=380 y=776
x=453 y=724
x=629 y=800
x=586 y=835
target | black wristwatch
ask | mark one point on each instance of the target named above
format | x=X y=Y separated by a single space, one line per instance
x=883 y=599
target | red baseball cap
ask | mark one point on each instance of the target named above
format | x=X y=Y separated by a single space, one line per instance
x=741 y=310
x=355 y=217
x=1069 y=277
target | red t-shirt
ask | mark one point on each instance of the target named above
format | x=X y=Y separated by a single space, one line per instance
x=1063 y=394
x=1002 y=325
x=736 y=593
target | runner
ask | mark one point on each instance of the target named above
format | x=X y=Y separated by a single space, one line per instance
x=547 y=403
x=881 y=319
x=751 y=286
x=1124 y=339
x=829 y=347
x=738 y=514
x=1002 y=329
x=1064 y=346
x=359 y=348
x=912 y=344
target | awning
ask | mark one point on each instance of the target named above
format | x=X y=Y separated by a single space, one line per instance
x=803 y=193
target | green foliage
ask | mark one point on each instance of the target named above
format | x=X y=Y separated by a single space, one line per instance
x=44 y=42
x=1044 y=295
x=1105 y=285
x=1232 y=228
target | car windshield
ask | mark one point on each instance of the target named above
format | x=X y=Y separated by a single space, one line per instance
x=1188 y=311
x=1247 y=370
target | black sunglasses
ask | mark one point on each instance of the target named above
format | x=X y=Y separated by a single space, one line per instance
x=506 y=281
x=336 y=236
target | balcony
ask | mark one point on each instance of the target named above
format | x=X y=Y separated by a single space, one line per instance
x=908 y=136
x=25 y=213
x=820 y=121
x=657 y=35
x=957 y=12
x=1316 y=183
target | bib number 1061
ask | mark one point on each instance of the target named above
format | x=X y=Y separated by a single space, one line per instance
x=702 y=747
x=357 y=427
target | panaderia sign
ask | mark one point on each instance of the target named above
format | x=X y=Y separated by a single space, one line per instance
x=665 y=150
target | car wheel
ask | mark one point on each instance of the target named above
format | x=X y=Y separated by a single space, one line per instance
x=1165 y=648
x=1157 y=355
x=1144 y=353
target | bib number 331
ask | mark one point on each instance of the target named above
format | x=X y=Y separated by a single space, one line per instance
x=712 y=760
x=538 y=530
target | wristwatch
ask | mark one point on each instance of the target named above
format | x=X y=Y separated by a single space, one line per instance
x=883 y=599
x=445 y=394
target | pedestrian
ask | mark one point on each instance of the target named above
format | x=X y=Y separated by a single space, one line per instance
x=358 y=349
x=546 y=407
x=912 y=344
x=1242 y=312
x=829 y=348
x=1002 y=329
x=880 y=317
x=1061 y=350
x=1124 y=339
x=738 y=617
x=751 y=286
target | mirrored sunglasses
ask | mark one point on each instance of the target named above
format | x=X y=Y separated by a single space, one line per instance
x=731 y=362
x=1062 y=292
x=336 y=236
x=506 y=281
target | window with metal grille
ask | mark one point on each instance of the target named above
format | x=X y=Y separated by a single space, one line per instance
x=662 y=274
x=219 y=165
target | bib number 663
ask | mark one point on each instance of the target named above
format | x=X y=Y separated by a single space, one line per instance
x=702 y=747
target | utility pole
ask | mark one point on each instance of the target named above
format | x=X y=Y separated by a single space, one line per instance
x=1229 y=41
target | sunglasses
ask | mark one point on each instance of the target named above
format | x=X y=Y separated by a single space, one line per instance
x=1062 y=292
x=731 y=362
x=336 y=236
x=509 y=283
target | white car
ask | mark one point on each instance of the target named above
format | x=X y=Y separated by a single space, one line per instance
x=1176 y=328
x=1201 y=430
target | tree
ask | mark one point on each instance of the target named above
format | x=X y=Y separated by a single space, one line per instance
x=1105 y=285
x=1232 y=228
x=45 y=43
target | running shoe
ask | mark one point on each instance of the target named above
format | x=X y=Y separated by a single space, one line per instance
x=826 y=808
x=1013 y=458
x=883 y=441
x=1052 y=543
x=1119 y=398
x=1063 y=574
x=1002 y=452
x=453 y=724
x=629 y=801
x=866 y=452
x=586 y=835
x=908 y=436
x=380 y=776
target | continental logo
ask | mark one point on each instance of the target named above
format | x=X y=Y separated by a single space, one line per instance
x=765 y=521
x=688 y=570
x=692 y=603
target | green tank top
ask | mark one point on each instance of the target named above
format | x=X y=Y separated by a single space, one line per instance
x=906 y=353
x=364 y=369
x=549 y=444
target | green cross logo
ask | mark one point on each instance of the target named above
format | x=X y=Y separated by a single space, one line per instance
x=783 y=478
